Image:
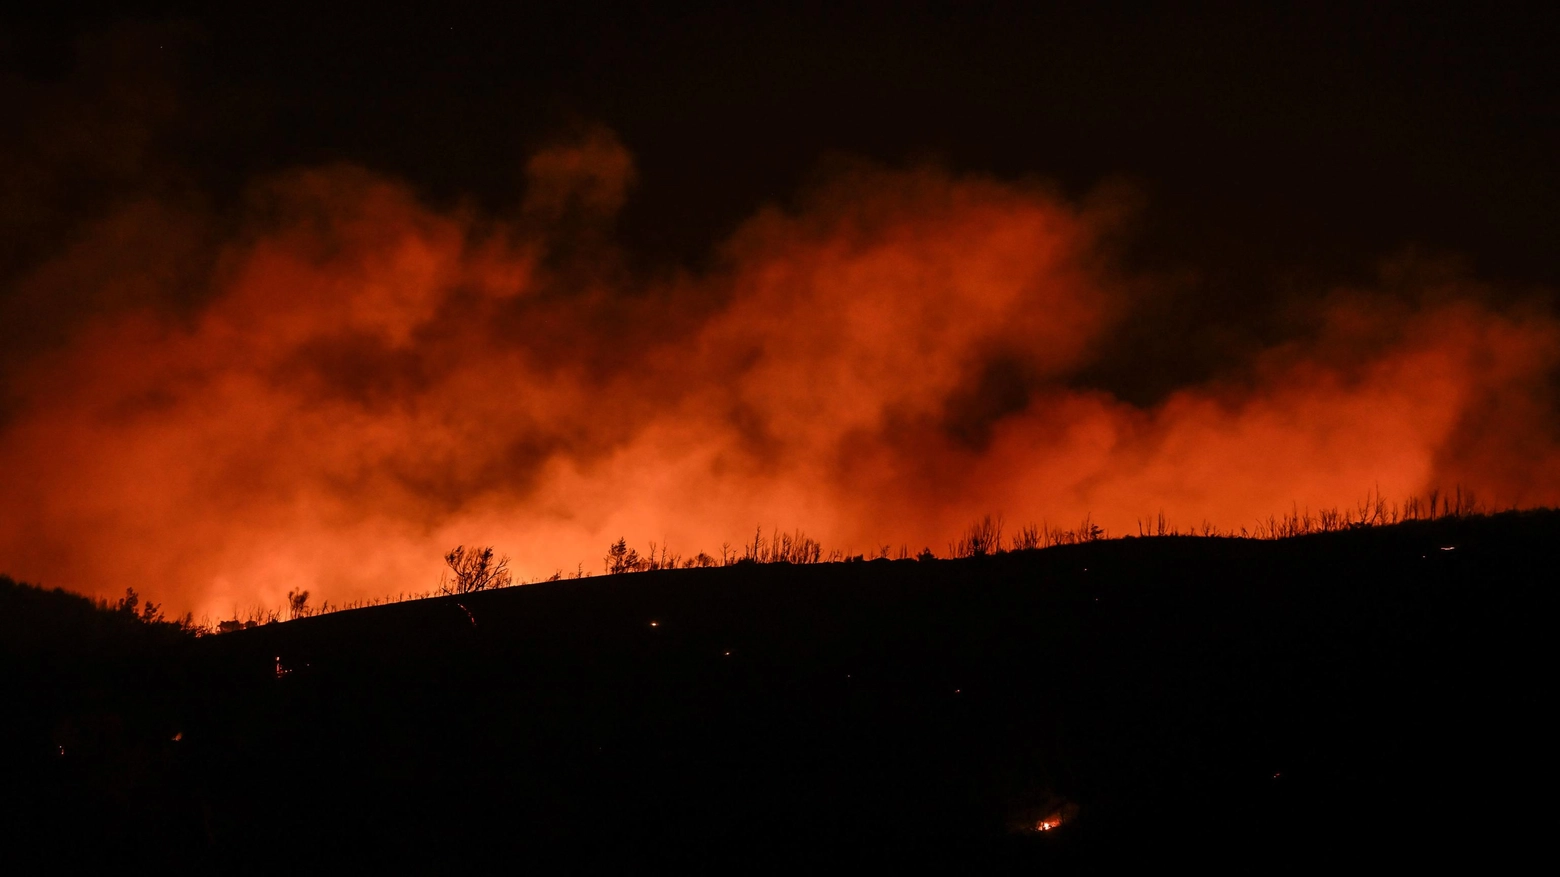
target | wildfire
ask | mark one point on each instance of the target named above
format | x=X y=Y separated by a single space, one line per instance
x=1057 y=812
x=901 y=352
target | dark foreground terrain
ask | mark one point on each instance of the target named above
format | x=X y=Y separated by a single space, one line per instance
x=1370 y=697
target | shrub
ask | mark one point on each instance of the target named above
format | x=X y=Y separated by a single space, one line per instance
x=1027 y=538
x=150 y=613
x=474 y=571
x=700 y=561
x=621 y=559
x=982 y=538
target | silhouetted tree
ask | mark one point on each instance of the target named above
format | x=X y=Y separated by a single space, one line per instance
x=981 y=538
x=149 y=612
x=474 y=571
x=620 y=558
x=297 y=604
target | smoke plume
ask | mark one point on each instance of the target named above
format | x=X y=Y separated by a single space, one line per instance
x=338 y=384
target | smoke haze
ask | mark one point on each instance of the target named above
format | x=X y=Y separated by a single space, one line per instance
x=365 y=382
x=332 y=380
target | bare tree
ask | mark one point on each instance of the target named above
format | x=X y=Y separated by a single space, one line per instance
x=474 y=571
x=981 y=538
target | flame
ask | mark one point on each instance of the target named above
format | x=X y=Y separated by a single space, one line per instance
x=363 y=381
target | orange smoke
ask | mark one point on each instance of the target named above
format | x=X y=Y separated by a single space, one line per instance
x=364 y=382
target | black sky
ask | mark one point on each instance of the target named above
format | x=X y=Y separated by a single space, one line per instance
x=1268 y=143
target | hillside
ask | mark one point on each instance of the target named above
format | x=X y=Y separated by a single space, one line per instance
x=1378 y=690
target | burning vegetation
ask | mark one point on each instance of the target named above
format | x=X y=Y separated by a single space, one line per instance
x=480 y=569
x=359 y=380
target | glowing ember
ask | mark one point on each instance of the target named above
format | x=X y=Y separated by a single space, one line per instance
x=1056 y=812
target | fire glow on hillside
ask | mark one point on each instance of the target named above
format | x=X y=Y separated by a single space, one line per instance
x=364 y=382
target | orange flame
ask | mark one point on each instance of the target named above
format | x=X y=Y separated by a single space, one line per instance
x=366 y=382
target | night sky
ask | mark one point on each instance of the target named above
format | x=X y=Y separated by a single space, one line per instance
x=1309 y=139
x=1247 y=196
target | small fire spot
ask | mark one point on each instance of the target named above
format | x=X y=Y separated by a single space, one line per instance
x=1048 y=816
x=655 y=624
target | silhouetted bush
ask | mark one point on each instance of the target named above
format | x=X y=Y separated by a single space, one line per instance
x=621 y=559
x=149 y=612
x=981 y=538
x=1027 y=538
x=297 y=604
x=474 y=571
x=55 y=619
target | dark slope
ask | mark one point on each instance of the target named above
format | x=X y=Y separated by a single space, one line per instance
x=1294 y=701
x=90 y=694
